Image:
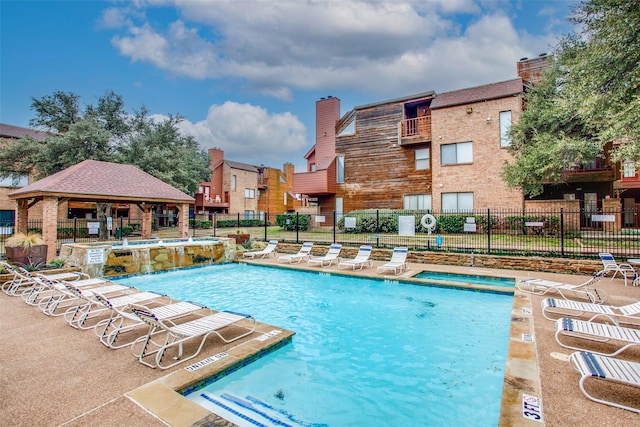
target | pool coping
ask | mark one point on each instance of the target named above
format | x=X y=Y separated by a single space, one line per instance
x=164 y=399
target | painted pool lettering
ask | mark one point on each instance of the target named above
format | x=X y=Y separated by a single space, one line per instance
x=531 y=408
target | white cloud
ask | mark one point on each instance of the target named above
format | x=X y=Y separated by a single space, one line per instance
x=383 y=49
x=248 y=133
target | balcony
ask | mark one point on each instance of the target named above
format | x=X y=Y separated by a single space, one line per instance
x=202 y=201
x=596 y=171
x=415 y=131
x=320 y=182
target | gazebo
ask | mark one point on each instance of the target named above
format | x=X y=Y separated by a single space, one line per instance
x=100 y=182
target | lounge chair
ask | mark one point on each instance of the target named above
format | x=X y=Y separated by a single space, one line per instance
x=325 y=261
x=90 y=307
x=565 y=290
x=625 y=314
x=172 y=334
x=397 y=264
x=604 y=368
x=268 y=251
x=360 y=261
x=22 y=280
x=596 y=332
x=122 y=321
x=304 y=252
x=63 y=300
x=609 y=264
x=45 y=290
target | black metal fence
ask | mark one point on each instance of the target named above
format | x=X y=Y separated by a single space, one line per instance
x=499 y=232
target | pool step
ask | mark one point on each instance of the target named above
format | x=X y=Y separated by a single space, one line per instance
x=249 y=412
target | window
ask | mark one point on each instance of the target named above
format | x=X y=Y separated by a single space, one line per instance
x=505 y=127
x=14 y=181
x=249 y=193
x=423 y=158
x=233 y=182
x=451 y=154
x=340 y=169
x=339 y=208
x=249 y=215
x=457 y=202
x=629 y=169
x=285 y=199
x=417 y=201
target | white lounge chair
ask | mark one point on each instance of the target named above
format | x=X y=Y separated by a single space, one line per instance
x=629 y=313
x=565 y=290
x=172 y=334
x=116 y=330
x=22 y=280
x=594 y=366
x=268 y=251
x=325 y=261
x=90 y=307
x=360 y=261
x=609 y=264
x=304 y=252
x=63 y=300
x=596 y=332
x=397 y=264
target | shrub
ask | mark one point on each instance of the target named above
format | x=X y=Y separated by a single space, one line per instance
x=288 y=221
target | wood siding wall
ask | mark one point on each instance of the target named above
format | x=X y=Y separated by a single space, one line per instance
x=379 y=172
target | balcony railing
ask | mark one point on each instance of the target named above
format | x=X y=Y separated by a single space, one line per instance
x=415 y=130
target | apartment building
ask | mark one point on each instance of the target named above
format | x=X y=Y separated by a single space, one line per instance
x=443 y=152
x=275 y=190
x=470 y=141
x=241 y=188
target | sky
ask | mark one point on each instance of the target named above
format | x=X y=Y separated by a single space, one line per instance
x=245 y=74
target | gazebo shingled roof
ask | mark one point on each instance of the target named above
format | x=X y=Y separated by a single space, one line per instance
x=95 y=180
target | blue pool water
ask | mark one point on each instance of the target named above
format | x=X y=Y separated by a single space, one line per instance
x=366 y=352
x=467 y=278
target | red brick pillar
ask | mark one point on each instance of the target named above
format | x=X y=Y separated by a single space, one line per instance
x=22 y=215
x=146 y=221
x=613 y=207
x=50 y=225
x=183 y=220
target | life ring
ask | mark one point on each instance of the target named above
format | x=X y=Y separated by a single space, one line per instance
x=428 y=221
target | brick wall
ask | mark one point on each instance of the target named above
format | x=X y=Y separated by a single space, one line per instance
x=244 y=179
x=482 y=176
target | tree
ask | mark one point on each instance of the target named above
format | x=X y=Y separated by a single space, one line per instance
x=587 y=102
x=105 y=132
x=158 y=148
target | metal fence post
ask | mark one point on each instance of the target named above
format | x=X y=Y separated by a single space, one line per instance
x=335 y=216
x=297 y=227
x=214 y=224
x=238 y=220
x=377 y=228
x=266 y=220
x=562 y=231
x=75 y=224
x=488 y=230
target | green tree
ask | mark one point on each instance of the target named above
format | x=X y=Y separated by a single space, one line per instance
x=587 y=102
x=106 y=132
x=158 y=148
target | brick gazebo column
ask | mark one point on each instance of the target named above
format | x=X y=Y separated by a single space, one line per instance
x=147 y=216
x=183 y=220
x=22 y=215
x=50 y=225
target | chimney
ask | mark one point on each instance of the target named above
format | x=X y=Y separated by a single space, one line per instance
x=530 y=70
x=216 y=156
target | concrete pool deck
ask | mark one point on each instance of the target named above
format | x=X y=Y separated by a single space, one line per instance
x=51 y=374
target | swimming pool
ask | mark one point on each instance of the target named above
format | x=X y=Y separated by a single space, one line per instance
x=366 y=352
x=467 y=278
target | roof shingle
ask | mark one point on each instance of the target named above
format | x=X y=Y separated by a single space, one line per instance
x=478 y=93
x=92 y=179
